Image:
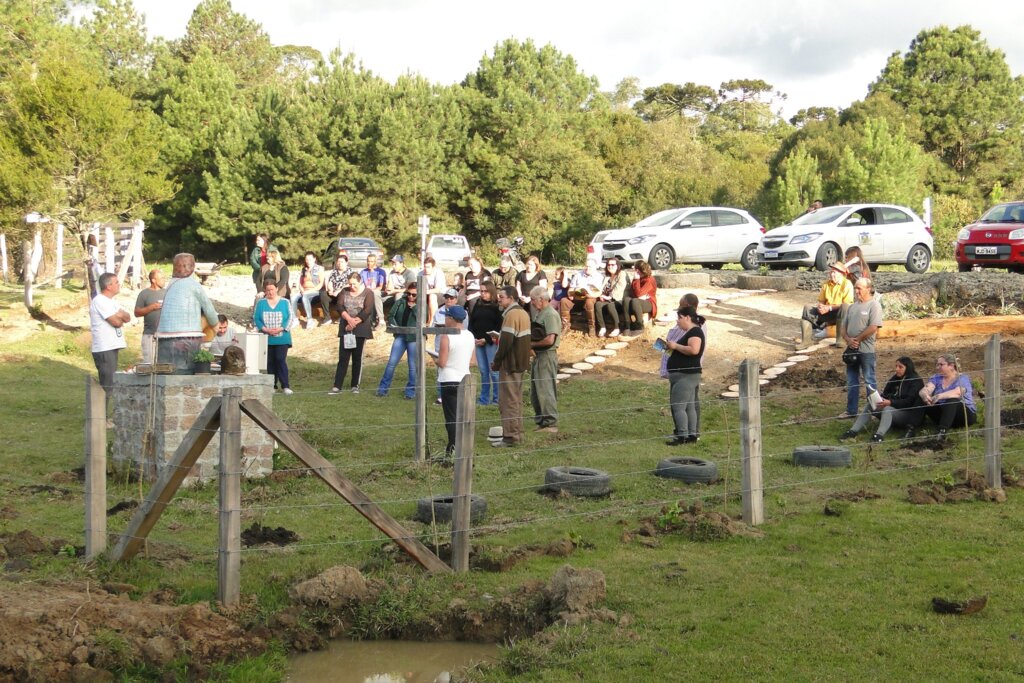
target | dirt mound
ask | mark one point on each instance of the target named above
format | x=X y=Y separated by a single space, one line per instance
x=69 y=633
x=335 y=588
x=960 y=487
x=259 y=535
x=693 y=522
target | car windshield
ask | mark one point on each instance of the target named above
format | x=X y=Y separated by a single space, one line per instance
x=659 y=219
x=356 y=243
x=821 y=216
x=1004 y=213
x=446 y=242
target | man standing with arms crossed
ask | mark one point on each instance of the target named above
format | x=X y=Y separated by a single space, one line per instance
x=147 y=307
x=863 y=318
x=510 y=361
x=106 y=320
x=546 y=330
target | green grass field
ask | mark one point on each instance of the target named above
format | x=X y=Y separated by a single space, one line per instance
x=816 y=598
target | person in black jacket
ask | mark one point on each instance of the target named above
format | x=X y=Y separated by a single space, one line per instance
x=900 y=405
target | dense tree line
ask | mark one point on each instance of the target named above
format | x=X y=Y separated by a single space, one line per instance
x=220 y=134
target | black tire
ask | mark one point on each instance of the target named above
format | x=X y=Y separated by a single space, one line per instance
x=579 y=481
x=963 y=267
x=689 y=470
x=828 y=254
x=748 y=259
x=662 y=257
x=822 y=456
x=442 y=509
x=919 y=259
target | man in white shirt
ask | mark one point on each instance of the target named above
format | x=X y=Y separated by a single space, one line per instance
x=106 y=323
x=584 y=289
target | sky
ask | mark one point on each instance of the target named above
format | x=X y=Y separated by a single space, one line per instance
x=817 y=52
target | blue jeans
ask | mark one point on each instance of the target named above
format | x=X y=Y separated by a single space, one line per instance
x=488 y=378
x=866 y=367
x=398 y=347
x=306 y=298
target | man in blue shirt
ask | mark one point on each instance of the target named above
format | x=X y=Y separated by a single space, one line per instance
x=374 y=279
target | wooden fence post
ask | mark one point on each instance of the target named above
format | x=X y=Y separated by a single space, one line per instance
x=750 y=442
x=3 y=255
x=58 y=280
x=993 y=415
x=462 y=486
x=95 y=468
x=230 y=552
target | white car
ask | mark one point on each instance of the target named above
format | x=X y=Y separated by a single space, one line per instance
x=709 y=235
x=885 y=233
x=449 y=250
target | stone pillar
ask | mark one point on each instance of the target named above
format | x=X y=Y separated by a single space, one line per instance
x=175 y=402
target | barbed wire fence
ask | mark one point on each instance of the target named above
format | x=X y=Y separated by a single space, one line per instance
x=983 y=447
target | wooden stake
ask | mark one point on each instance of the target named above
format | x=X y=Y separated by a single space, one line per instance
x=95 y=468
x=993 y=415
x=230 y=537
x=462 y=486
x=750 y=442
x=58 y=280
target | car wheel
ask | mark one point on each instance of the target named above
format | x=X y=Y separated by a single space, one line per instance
x=963 y=267
x=662 y=257
x=748 y=259
x=827 y=255
x=918 y=259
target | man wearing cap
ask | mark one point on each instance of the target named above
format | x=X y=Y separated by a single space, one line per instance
x=453 y=358
x=835 y=295
x=545 y=333
x=584 y=288
x=510 y=361
x=399 y=278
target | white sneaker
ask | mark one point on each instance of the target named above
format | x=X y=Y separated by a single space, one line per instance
x=288 y=392
x=601 y=332
x=614 y=333
x=310 y=324
x=820 y=334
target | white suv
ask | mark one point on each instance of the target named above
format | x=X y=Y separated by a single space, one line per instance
x=885 y=234
x=709 y=235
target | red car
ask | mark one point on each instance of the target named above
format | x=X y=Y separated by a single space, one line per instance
x=996 y=240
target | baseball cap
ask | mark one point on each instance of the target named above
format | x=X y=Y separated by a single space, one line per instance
x=454 y=293
x=456 y=312
x=398 y=258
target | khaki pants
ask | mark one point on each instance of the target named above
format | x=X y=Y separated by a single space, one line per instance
x=543 y=394
x=510 y=405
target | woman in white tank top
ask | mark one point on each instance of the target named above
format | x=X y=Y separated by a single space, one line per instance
x=453 y=364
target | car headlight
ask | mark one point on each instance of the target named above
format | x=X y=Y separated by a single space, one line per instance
x=809 y=237
x=640 y=238
x=963 y=235
x=1017 y=234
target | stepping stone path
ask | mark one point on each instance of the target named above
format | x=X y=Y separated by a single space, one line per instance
x=616 y=346
x=594 y=359
x=607 y=353
x=582 y=366
x=730 y=394
x=569 y=371
x=774 y=372
x=798 y=358
x=561 y=376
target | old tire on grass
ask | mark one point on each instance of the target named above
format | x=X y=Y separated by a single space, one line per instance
x=680 y=280
x=689 y=470
x=579 y=481
x=822 y=456
x=442 y=509
x=780 y=283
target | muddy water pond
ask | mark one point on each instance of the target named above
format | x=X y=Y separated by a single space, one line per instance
x=387 y=661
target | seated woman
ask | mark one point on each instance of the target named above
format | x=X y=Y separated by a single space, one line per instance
x=900 y=404
x=948 y=396
x=609 y=301
x=642 y=299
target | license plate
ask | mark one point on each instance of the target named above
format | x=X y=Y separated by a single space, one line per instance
x=985 y=251
x=771 y=254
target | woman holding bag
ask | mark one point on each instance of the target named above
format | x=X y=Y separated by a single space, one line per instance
x=355 y=327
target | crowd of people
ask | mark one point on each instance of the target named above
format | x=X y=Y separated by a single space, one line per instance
x=508 y=323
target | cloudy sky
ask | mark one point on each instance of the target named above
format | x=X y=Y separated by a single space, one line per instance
x=818 y=52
